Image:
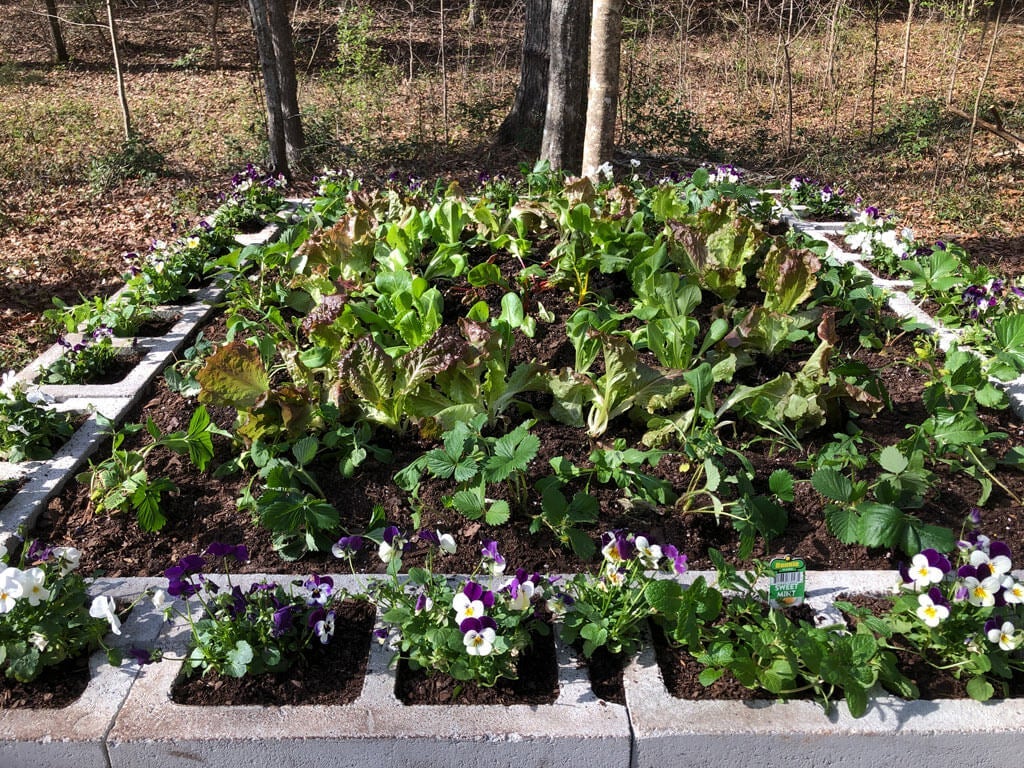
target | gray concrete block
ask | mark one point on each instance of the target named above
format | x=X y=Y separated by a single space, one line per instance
x=76 y=735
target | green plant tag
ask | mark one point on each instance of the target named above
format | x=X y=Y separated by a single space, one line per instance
x=788 y=579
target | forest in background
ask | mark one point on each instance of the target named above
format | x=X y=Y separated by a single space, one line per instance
x=877 y=96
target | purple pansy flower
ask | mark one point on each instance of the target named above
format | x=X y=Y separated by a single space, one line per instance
x=238 y=551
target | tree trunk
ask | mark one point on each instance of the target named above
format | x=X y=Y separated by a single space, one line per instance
x=524 y=125
x=121 y=94
x=284 y=58
x=212 y=30
x=603 y=96
x=562 y=143
x=278 y=157
x=56 y=35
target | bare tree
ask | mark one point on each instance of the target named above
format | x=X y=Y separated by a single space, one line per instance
x=911 y=7
x=524 y=124
x=562 y=142
x=56 y=35
x=603 y=95
x=121 y=94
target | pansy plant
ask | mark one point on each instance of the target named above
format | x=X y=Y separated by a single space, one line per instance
x=473 y=629
x=29 y=428
x=237 y=632
x=875 y=236
x=608 y=610
x=818 y=199
x=965 y=616
x=46 y=615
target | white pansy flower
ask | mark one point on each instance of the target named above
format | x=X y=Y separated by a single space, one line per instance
x=8 y=381
x=11 y=589
x=479 y=643
x=648 y=553
x=159 y=599
x=104 y=608
x=1013 y=591
x=1005 y=636
x=466 y=608
x=67 y=558
x=33 y=582
x=446 y=542
x=929 y=612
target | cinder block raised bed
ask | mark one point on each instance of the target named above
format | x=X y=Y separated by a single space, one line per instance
x=153 y=731
x=726 y=734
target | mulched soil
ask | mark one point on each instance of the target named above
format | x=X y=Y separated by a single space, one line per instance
x=329 y=674
x=55 y=688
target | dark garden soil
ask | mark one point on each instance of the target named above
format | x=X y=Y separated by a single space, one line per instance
x=329 y=674
x=158 y=325
x=8 y=489
x=536 y=683
x=55 y=688
x=605 y=671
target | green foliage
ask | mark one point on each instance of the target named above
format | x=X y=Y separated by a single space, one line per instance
x=83 y=361
x=355 y=53
x=475 y=461
x=136 y=158
x=45 y=618
x=121 y=481
x=181 y=375
x=461 y=628
x=29 y=428
x=608 y=610
x=764 y=649
x=262 y=630
x=656 y=120
x=913 y=130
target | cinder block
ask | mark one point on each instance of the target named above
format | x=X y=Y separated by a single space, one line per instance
x=725 y=734
x=76 y=735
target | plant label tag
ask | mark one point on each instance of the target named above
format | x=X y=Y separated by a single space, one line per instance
x=788 y=579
